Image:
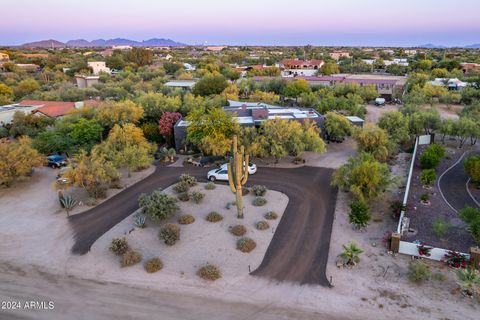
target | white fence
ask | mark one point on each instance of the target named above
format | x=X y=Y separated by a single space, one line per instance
x=412 y=250
x=409 y=247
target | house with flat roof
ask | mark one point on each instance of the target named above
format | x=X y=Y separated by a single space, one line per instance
x=182 y=84
x=253 y=114
x=469 y=67
x=98 y=66
x=337 y=55
x=84 y=81
x=4 y=56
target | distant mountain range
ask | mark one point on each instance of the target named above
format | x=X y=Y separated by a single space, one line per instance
x=435 y=46
x=82 y=43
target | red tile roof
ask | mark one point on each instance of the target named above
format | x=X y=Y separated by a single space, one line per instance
x=50 y=108
x=317 y=63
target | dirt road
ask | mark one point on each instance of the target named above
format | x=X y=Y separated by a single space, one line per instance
x=299 y=249
x=74 y=298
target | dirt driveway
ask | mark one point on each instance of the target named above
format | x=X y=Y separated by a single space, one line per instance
x=299 y=249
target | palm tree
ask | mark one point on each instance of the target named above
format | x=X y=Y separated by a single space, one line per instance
x=468 y=280
x=351 y=253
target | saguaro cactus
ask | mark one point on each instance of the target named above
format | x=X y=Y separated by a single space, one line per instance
x=238 y=174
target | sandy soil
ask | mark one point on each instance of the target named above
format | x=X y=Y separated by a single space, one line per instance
x=36 y=241
x=375 y=112
x=446 y=111
x=200 y=242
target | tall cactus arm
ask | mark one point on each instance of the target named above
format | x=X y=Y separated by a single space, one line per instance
x=231 y=178
x=245 y=175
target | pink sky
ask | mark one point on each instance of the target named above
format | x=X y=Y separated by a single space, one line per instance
x=349 y=22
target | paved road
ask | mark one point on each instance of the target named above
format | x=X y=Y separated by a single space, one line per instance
x=453 y=186
x=83 y=299
x=299 y=249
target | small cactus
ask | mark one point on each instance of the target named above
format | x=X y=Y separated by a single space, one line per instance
x=68 y=203
x=139 y=220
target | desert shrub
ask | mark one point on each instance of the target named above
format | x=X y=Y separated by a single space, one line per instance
x=169 y=233
x=245 y=191
x=259 y=201
x=210 y=186
x=186 y=219
x=262 y=225
x=246 y=244
x=431 y=156
x=139 y=220
x=214 y=217
x=418 y=271
x=271 y=215
x=359 y=215
x=130 y=258
x=197 y=197
x=153 y=265
x=119 y=246
x=472 y=217
x=472 y=166
x=428 y=176
x=425 y=197
x=209 y=272
x=181 y=187
x=188 y=179
x=184 y=196
x=158 y=205
x=238 y=230
x=259 y=190
x=397 y=207
x=440 y=227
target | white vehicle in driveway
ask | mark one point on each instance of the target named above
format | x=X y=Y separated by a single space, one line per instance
x=221 y=173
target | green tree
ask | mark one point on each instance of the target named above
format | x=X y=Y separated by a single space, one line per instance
x=294 y=89
x=18 y=160
x=156 y=104
x=28 y=124
x=93 y=173
x=139 y=56
x=25 y=87
x=447 y=128
x=85 y=133
x=210 y=84
x=363 y=176
x=211 y=130
x=428 y=176
x=337 y=126
x=127 y=147
x=396 y=125
x=431 y=157
x=329 y=68
x=472 y=166
x=54 y=141
x=373 y=140
x=110 y=113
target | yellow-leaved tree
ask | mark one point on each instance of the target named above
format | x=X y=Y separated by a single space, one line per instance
x=110 y=113
x=127 y=147
x=18 y=158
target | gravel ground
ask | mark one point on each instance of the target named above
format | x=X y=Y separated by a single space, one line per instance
x=423 y=216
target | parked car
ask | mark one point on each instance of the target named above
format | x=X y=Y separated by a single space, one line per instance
x=221 y=173
x=56 y=161
x=60 y=178
x=252 y=167
x=379 y=101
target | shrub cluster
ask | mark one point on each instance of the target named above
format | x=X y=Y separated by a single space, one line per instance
x=259 y=190
x=259 y=201
x=153 y=265
x=119 y=246
x=472 y=217
x=418 y=271
x=246 y=244
x=214 y=217
x=209 y=272
x=158 y=205
x=188 y=180
x=238 y=230
x=359 y=215
x=262 y=225
x=428 y=176
x=186 y=219
x=270 y=215
x=197 y=197
x=181 y=187
x=130 y=258
x=431 y=156
x=184 y=196
x=210 y=186
x=169 y=233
